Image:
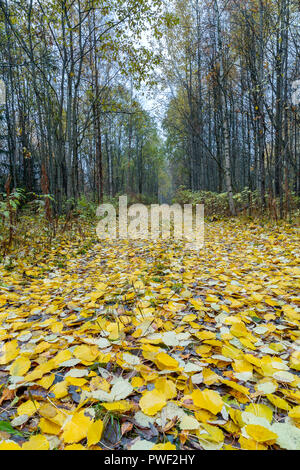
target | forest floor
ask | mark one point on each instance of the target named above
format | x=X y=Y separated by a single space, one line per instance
x=143 y=345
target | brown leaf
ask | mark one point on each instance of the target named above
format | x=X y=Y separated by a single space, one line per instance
x=7 y=395
x=126 y=427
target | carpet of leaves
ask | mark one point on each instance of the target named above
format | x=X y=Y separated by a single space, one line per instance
x=149 y=345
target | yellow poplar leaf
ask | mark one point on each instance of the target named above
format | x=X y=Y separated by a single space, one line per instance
x=239 y=330
x=204 y=335
x=209 y=377
x=166 y=387
x=266 y=387
x=150 y=352
x=118 y=406
x=208 y=400
x=60 y=389
x=253 y=360
x=166 y=362
x=75 y=447
x=9 y=352
x=96 y=295
x=60 y=418
x=250 y=444
x=77 y=428
x=212 y=299
x=285 y=377
x=86 y=353
x=231 y=427
x=48 y=427
x=20 y=366
x=189 y=423
x=115 y=331
x=295 y=360
x=46 y=381
x=47 y=411
x=231 y=352
x=28 y=408
x=9 y=445
x=189 y=318
x=38 y=442
x=203 y=350
x=152 y=402
x=235 y=386
x=247 y=343
x=43 y=346
x=57 y=327
x=62 y=356
x=95 y=432
x=236 y=416
x=262 y=411
x=241 y=366
x=260 y=433
x=203 y=416
x=257 y=297
x=295 y=412
x=197 y=304
x=278 y=402
x=167 y=446
x=75 y=381
x=137 y=382
x=40 y=371
x=214 y=434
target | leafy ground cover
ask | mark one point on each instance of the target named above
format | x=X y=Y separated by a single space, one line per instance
x=148 y=345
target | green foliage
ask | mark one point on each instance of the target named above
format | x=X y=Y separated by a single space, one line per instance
x=247 y=203
x=85 y=208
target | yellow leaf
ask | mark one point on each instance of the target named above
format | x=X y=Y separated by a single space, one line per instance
x=61 y=357
x=77 y=428
x=235 y=386
x=28 y=408
x=137 y=382
x=239 y=330
x=250 y=444
x=60 y=389
x=166 y=362
x=295 y=412
x=8 y=352
x=152 y=402
x=210 y=377
x=47 y=427
x=9 y=445
x=86 y=353
x=75 y=447
x=231 y=352
x=278 y=402
x=118 y=406
x=38 y=442
x=262 y=411
x=47 y=410
x=214 y=434
x=20 y=367
x=260 y=433
x=166 y=387
x=208 y=400
x=47 y=381
x=167 y=446
x=94 y=433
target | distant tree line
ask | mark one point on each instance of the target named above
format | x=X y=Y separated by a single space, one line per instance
x=232 y=123
x=71 y=123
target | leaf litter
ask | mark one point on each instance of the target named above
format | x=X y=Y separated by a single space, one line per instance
x=149 y=345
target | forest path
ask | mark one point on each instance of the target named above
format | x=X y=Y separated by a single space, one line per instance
x=136 y=329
